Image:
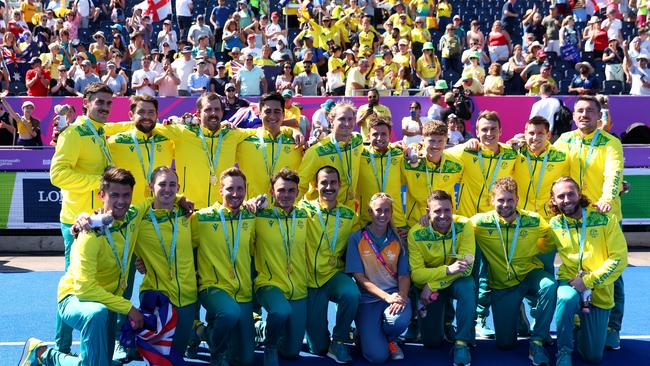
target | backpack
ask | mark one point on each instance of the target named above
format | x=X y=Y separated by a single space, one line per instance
x=562 y=120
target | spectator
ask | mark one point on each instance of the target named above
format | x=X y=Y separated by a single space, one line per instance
x=168 y=35
x=403 y=81
x=43 y=34
x=474 y=68
x=246 y=16
x=533 y=24
x=219 y=81
x=167 y=81
x=533 y=84
x=308 y=83
x=612 y=25
x=444 y=10
x=320 y=125
x=62 y=85
x=232 y=36
x=291 y=112
x=534 y=67
x=585 y=82
x=547 y=106
x=642 y=39
x=372 y=108
x=474 y=32
x=184 y=16
x=381 y=82
x=510 y=19
x=183 y=67
x=568 y=34
x=37 y=79
x=52 y=60
x=28 y=8
x=250 y=48
x=356 y=79
x=470 y=84
x=100 y=50
x=7 y=125
x=232 y=102
x=199 y=29
x=281 y=52
x=494 y=84
x=427 y=66
x=143 y=79
x=499 y=43
x=640 y=73
x=156 y=61
x=137 y=50
x=118 y=42
x=613 y=59
x=552 y=24
x=29 y=128
x=284 y=80
x=456 y=131
x=202 y=47
x=388 y=64
x=17 y=25
x=413 y=123
x=198 y=81
x=251 y=80
x=86 y=10
x=218 y=18
x=580 y=11
x=146 y=29
x=450 y=48
x=113 y=80
x=117 y=60
x=257 y=30
x=437 y=105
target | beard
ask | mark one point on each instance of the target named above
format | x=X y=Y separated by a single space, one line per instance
x=505 y=212
x=145 y=128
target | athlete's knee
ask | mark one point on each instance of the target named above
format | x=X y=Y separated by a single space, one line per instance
x=376 y=354
x=227 y=316
x=280 y=312
x=592 y=355
x=566 y=295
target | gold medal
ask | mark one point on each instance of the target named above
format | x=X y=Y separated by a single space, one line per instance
x=213 y=179
x=233 y=275
x=332 y=261
x=289 y=269
x=351 y=196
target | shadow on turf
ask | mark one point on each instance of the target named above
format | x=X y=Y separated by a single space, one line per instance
x=9 y=269
x=485 y=353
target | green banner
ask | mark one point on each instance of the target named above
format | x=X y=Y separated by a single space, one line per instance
x=7 y=181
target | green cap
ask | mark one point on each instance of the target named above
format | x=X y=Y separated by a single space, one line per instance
x=428 y=46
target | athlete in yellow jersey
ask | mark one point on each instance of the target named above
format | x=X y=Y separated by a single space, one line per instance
x=328 y=228
x=225 y=237
x=140 y=150
x=271 y=145
x=434 y=170
x=597 y=166
x=341 y=150
x=594 y=254
x=90 y=293
x=481 y=169
x=508 y=238
x=380 y=172
x=281 y=281
x=166 y=250
x=441 y=257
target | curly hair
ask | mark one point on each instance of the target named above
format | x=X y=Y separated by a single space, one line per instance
x=583 y=201
x=505 y=184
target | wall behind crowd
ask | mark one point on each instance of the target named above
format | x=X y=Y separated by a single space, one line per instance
x=514 y=110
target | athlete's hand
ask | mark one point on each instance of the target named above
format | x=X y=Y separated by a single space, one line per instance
x=602 y=206
x=226 y=124
x=424 y=220
x=578 y=284
x=136 y=318
x=299 y=138
x=395 y=297
x=82 y=223
x=186 y=205
x=139 y=265
x=517 y=141
x=473 y=144
x=395 y=308
x=457 y=267
x=425 y=295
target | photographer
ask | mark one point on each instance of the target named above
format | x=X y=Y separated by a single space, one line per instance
x=366 y=110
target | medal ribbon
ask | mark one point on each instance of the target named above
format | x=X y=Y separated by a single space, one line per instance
x=213 y=161
x=485 y=173
x=453 y=239
x=430 y=177
x=232 y=253
x=381 y=184
x=348 y=171
x=287 y=239
x=172 y=246
x=513 y=245
x=125 y=254
x=337 y=222
x=150 y=155
x=380 y=257
x=101 y=141
x=581 y=239
x=541 y=173
x=276 y=155
x=578 y=140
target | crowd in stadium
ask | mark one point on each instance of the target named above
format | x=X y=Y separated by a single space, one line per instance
x=490 y=47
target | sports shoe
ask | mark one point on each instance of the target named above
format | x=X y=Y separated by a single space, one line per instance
x=450 y=333
x=396 y=352
x=563 y=358
x=483 y=329
x=193 y=345
x=120 y=353
x=613 y=340
x=524 y=324
x=30 y=352
x=461 y=355
x=338 y=352
x=271 y=356
x=537 y=354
